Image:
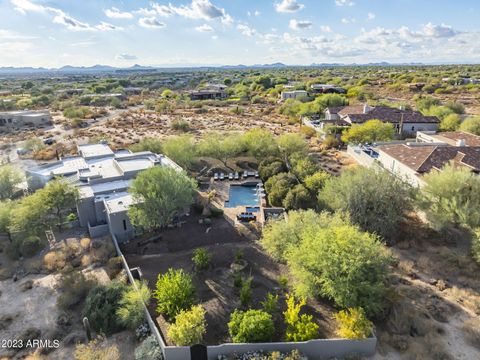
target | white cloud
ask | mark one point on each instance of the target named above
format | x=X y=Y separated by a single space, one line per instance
x=104 y=26
x=257 y=13
x=70 y=22
x=344 y=3
x=164 y=10
x=115 y=13
x=246 y=30
x=24 y=6
x=145 y=12
x=287 y=6
x=204 y=28
x=347 y=20
x=126 y=57
x=325 y=28
x=150 y=23
x=299 y=24
x=439 y=31
x=12 y=35
x=371 y=16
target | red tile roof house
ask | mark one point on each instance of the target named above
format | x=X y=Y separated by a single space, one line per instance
x=411 y=161
x=406 y=122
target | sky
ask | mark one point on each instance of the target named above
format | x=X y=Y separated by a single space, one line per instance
x=54 y=33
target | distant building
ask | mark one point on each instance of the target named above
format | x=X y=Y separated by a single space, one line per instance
x=432 y=151
x=405 y=122
x=103 y=178
x=326 y=89
x=209 y=92
x=25 y=118
x=294 y=94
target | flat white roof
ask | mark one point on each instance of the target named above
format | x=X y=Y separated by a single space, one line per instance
x=94 y=150
x=119 y=202
x=87 y=191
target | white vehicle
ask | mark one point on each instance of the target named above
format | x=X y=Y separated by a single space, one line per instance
x=230 y=176
x=222 y=176
x=237 y=176
x=215 y=176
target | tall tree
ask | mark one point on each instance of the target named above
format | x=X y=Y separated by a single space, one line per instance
x=368 y=132
x=9 y=179
x=220 y=147
x=181 y=149
x=60 y=197
x=160 y=193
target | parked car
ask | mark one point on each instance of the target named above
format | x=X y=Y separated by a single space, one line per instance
x=49 y=141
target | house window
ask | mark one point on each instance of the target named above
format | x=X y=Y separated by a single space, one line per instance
x=124 y=225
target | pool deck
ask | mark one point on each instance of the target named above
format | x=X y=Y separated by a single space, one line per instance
x=222 y=189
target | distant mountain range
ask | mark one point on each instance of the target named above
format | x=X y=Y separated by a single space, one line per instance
x=68 y=69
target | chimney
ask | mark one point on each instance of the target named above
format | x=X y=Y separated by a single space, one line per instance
x=366 y=108
x=461 y=143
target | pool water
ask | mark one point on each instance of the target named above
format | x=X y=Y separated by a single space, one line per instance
x=241 y=195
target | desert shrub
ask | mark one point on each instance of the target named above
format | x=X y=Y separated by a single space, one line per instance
x=476 y=245
x=201 y=258
x=353 y=324
x=131 y=311
x=307 y=131
x=180 y=125
x=149 y=350
x=451 y=197
x=237 y=280
x=73 y=287
x=101 y=306
x=451 y=122
x=216 y=212
x=315 y=182
x=375 y=199
x=96 y=350
x=148 y=144
x=174 y=292
x=250 y=326
x=368 y=132
x=270 y=304
x=246 y=291
x=471 y=125
x=330 y=142
x=299 y=327
x=54 y=260
x=31 y=245
x=189 y=327
x=12 y=250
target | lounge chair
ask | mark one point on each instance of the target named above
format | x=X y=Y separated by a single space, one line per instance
x=245 y=174
x=237 y=176
x=215 y=176
x=222 y=176
x=256 y=174
x=230 y=176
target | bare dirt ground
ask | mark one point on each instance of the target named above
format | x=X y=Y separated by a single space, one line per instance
x=28 y=304
x=214 y=287
x=435 y=314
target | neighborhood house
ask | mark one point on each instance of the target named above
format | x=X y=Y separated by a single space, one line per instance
x=103 y=178
x=19 y=119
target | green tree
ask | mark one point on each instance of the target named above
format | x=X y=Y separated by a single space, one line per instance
x=6 y=208
x=291 y=143
x=375 y=199
x=148 y=144
x=451 y=197
x=330 y=257
x=174 y=292
x=181 y=149
x=59 y=197
x=277 y=187
x=221 y=147
x=269 y=168
x=450 y=123
x=260 y=143
x=250 y=326
x=101 y=307
x=471 y=125
x=298 y=198
x=131 y=306
x=368 y=132
x=189 y=327
x=160 y=193
x=315 y=182
x=9 y=179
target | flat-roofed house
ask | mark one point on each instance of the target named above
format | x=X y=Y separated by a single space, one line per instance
x=103 y=178
x=24 y=118
x=294 y=94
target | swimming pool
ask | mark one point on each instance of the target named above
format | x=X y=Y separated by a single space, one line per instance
x=242 y=195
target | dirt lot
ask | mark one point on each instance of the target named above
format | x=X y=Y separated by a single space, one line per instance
x=214 y=287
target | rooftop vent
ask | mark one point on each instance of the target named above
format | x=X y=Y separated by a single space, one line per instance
x=461 y=143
